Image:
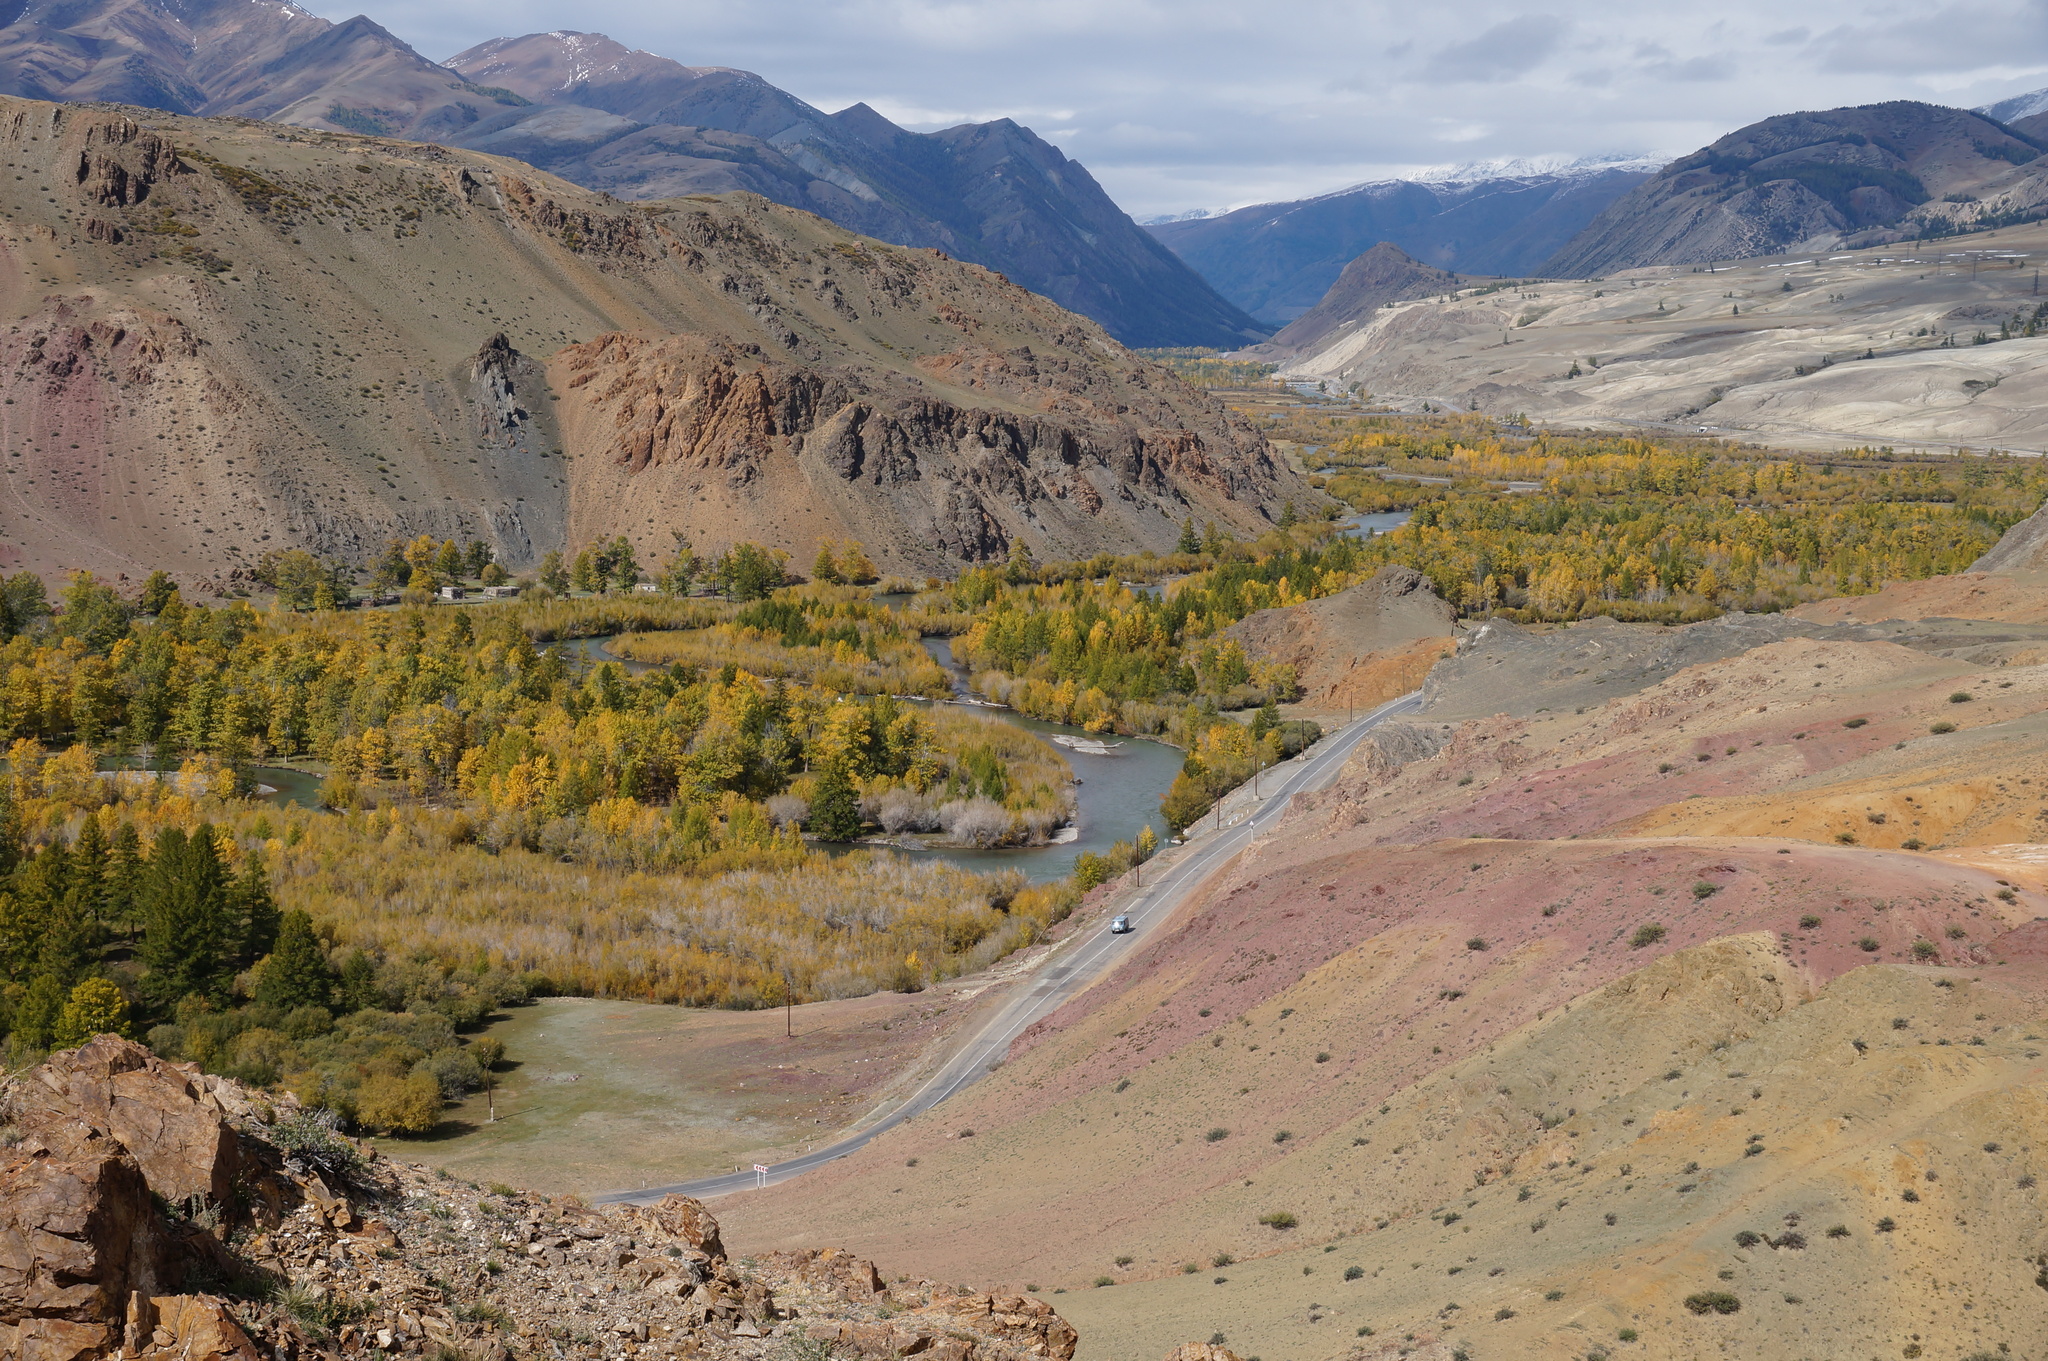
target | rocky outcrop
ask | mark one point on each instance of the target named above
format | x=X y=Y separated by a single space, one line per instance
x=134 y=1181
x=118 y=162
x=115 y=1094
x=1092 y=460
x=956 y=1327
x=78 y=1236
x=108 y=1138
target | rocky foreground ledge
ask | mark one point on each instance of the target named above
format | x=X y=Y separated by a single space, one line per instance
x=150 y=1211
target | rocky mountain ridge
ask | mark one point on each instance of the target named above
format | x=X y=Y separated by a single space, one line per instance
x=636 y=125
x=1817 y=181
x=222 y=337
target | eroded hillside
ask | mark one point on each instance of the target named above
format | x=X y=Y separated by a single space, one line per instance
x=224 y=337
x=1652 y=989
x=1932 y=344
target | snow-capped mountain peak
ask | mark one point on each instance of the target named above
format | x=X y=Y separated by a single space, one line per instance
x=2019 y=106
x=1519 y=167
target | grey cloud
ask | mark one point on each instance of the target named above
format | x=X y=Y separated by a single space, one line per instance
x=1951 y=38
x=1500 y=53
x=1720 y=67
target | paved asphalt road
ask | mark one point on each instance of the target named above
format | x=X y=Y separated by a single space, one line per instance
x=1066 y=972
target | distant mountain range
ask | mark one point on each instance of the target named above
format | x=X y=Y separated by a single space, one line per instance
x=1818 y=181
x=1798 y=181
x=1276 y=260
x=638 y=126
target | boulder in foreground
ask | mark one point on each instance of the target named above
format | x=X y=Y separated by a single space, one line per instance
x=147 y=1212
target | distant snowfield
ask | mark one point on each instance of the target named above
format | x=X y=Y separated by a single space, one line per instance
x=1523 y=167
x=2019 y=106
x=1771 y=348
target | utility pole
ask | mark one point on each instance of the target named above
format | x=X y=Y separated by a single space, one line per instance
x=788 y=1007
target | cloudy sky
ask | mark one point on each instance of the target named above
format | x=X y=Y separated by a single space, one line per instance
x=1181 y=104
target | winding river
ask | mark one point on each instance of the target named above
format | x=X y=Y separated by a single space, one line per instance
x=1115 y=795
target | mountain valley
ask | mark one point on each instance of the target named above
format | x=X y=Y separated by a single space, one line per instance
x=1576 y=887
x=1276 y=259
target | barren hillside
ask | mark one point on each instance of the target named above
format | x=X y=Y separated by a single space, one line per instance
x=607 y=117
x=223 y=337
x=1935 y=345
x=1648 y=974
x=1359 y=647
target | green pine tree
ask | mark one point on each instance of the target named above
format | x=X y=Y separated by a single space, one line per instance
x=297 y=973
x=45 y=877
x=188 y=939
x=123 y=878
x=11 y=838
x=35 y=1020
x=1190 y=542
x=835 y=806
x=89 y=855
x=22 y=926
x=358 y=991
x=71 y=939
x=254 y=911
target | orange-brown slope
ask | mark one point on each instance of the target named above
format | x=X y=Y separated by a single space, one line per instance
x=2015 y=597
x=258 y=339
x=1332 y=984
x=1360 y=647
x=1810 y=738
x=1412 y=921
